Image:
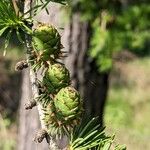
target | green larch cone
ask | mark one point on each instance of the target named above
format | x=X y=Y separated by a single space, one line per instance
x=46 y=41
x=56 y=77
x=68 y=105
x=53 y=125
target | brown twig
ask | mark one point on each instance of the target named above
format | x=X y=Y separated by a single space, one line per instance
x=33 y=76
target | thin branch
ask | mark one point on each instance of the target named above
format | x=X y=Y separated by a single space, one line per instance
x=33 y=75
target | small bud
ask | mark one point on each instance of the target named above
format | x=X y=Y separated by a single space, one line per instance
x=40 y=135
x=21 y=65
x=30 y=104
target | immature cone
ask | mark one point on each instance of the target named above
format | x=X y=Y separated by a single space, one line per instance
x=56 y=77
x=54 y=126
x=47 y=41
x=68 y=105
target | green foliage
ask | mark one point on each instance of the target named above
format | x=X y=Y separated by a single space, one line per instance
x=101 y=47
x=8 y=17
x=10 y=22
x=114 y=32
x=88 y=135
x=134 y=25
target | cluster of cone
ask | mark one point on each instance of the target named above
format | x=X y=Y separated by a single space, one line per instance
x=63 y=107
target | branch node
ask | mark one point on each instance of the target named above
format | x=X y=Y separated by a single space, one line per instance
x=30 y=104
x=40 y=135
x=21 y=65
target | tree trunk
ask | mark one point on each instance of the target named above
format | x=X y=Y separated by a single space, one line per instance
x=28 y=120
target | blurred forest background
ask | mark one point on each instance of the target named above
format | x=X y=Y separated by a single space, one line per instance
x=115 y=50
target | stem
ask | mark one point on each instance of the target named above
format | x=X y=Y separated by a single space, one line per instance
x=33 y=75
